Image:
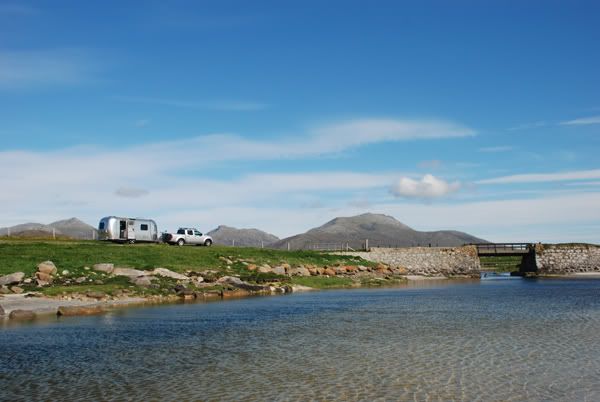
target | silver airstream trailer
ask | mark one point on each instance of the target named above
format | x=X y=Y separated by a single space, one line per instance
x=127 y=230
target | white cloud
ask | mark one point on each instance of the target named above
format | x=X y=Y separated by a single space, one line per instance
x=219 y=105
x=131 y=192
x=502 y=148
x=582 y=122
x=34 y=68
x=544 y=177
x=428 y=187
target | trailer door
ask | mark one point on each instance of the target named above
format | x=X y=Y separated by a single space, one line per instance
x=130 y=230
x=123 y=229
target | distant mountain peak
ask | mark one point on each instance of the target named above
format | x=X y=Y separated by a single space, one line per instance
x=379 y=229
x=229 y=235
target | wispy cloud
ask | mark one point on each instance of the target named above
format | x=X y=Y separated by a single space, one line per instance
x=16 y=9
x=39 y=68
x=218 y=105
x=502 y=148
x=428 y=187
x=527 y=126
x=131 y=192
x=582 y=121
x=430 y=164
x=544 y=177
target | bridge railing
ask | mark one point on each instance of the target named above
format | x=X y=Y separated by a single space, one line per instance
x=502 y=248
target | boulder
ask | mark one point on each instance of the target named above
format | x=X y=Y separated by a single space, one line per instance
x=81 y=279
x=279 y=270
x=362 y=268
x=104 y=267
x=130 y=272
x=186 y=294
x=251 y=267
x=299 y=271
x=96 y=295
x=234 y=293
x=4 y=290
x=79 y=310
x=320 y=271
x=47 y=267
x=12 y=279
x=240 y=284
x=166 y=273
x=265 y=269
x=329 y=271
x=17 y=290
x=143 y=281
x=44 y=277
x=21 y=315
x=340 y=270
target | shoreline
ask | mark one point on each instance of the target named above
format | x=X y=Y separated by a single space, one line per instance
x=45 y=307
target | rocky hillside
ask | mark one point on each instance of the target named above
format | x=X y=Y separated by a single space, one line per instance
x=381 y=230
x=227 y=235
x=72 y=228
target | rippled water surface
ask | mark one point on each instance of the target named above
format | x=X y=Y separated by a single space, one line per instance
x=497 y=340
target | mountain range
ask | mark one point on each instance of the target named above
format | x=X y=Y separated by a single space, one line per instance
x=380 y=230
x=71 y=228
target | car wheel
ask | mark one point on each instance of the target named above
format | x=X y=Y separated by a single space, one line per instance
x=180 y=242
x=208 y=243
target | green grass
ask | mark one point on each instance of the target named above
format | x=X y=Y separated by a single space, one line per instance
x=322 y=282
x=501 y=264
x=24 y=255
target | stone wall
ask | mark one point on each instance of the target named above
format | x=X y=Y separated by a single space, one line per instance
x=567 y=258
x=431 y=261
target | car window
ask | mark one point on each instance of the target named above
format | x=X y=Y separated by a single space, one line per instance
x=181 y=231
x=197 y=233
x=190 y=232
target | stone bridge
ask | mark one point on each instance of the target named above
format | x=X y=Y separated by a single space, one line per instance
x=543 y=259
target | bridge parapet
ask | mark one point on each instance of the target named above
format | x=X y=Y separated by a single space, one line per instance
x=499 y=249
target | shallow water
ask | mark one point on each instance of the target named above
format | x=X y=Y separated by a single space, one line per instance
x=490 y=340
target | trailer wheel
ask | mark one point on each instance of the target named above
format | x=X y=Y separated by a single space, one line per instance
x=208 y=243
x=180 y=242
x=131 y=241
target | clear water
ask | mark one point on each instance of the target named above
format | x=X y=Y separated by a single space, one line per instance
x=489 y=340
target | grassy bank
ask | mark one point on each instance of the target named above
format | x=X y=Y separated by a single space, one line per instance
x=24 y=255
x=77 y=257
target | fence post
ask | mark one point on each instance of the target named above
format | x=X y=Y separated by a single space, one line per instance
x=366 y=244
x=54 y=233
x=262 y=244
x=288 y=246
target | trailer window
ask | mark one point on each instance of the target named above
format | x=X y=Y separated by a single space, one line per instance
x=101 y=226
x=143 y=227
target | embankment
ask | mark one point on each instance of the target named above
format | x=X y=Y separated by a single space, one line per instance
x=429 y=261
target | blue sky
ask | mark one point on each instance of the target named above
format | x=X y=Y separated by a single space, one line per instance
x=476 y=116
